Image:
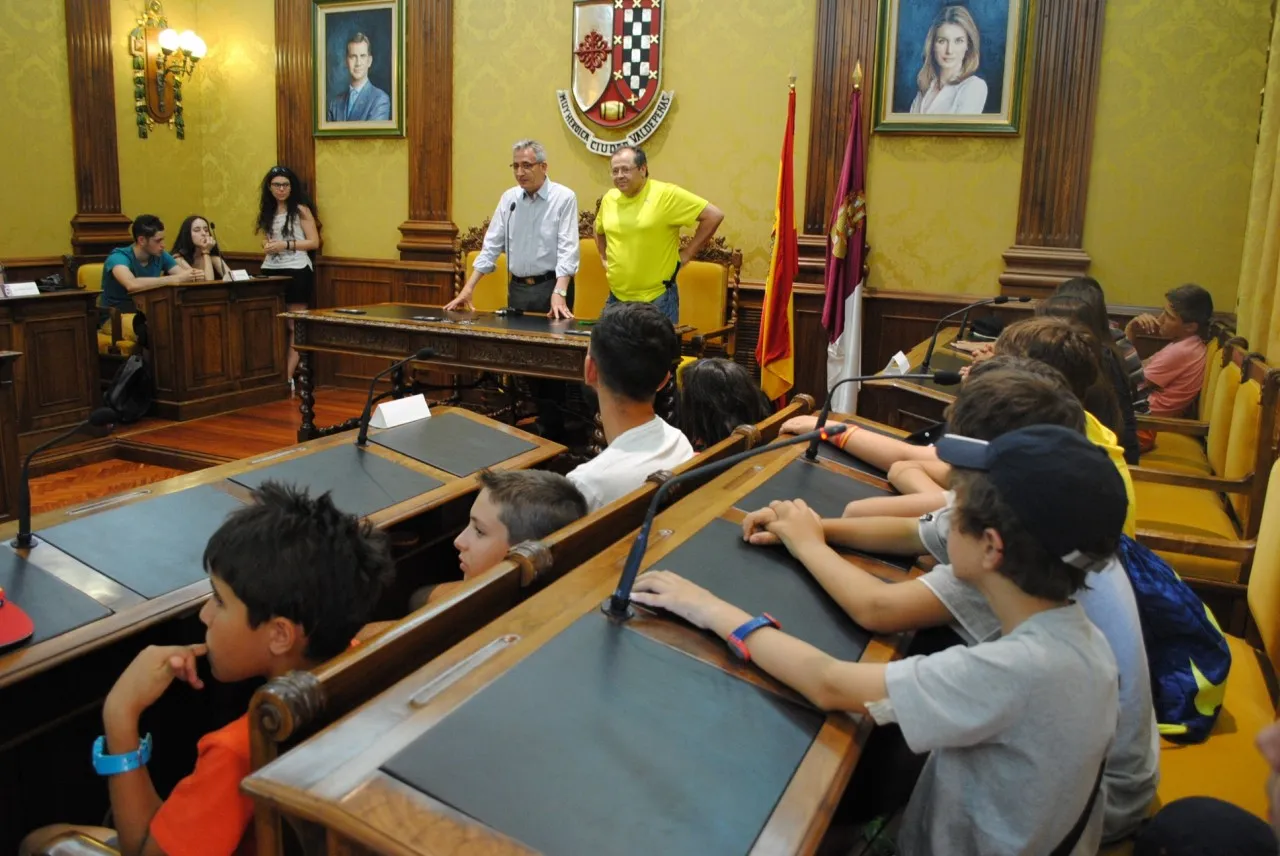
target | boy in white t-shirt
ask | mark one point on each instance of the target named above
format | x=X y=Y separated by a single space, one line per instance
x=1017 y=728
x=633 y=346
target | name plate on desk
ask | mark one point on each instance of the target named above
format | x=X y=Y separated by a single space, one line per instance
x=240 y=276
x=21 y=289
x=400 y=412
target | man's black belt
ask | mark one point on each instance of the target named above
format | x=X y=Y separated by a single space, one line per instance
x=536 y=279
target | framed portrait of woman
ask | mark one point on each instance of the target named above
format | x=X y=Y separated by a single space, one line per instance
x=359 y=68
x=950 y=66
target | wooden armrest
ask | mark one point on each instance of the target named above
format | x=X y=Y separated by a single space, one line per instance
x=1189 y=427
x=1191 y=545
x=717 y=333
x=1146 y=474
x=117 y=327
x=73 y=843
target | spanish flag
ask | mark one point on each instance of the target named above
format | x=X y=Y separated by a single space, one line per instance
x=776 y=346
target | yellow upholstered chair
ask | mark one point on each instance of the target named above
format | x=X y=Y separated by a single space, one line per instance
x=709 y=287
x=1204 y=523
x=1227 y=765
x=590 y=286
x=113 y=342
x=1212 y=367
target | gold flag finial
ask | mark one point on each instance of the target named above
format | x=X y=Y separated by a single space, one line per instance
x=857 y=75
x=791 y=79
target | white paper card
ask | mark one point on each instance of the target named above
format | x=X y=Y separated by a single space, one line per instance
x=899 y=364
x=21 y=289
x=240 y=275
x=400 y=412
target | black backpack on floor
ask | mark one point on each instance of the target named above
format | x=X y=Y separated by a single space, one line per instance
x=132 y=390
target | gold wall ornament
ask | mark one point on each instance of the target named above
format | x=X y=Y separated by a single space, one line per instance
x=615 y=72
x=163 y=59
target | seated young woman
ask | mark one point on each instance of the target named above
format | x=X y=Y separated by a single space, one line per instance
x=195 y=247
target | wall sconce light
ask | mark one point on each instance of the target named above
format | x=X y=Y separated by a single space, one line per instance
x=163 y=59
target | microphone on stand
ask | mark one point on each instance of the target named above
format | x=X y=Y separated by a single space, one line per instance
x=617 y=605
x=99 y=417
x=363 y=437
x=942 y=378
x=964 y=310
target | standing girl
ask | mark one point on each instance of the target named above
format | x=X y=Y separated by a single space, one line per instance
x=288 y=222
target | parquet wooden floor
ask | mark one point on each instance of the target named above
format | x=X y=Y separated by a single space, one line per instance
x=232 y=436
x=93 y=481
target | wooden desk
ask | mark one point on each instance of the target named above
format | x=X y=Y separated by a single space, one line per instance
x=56 y=379
x=215 y=346
x=911 y=404
x=530 y=345
x=10 y=460
x=132 y=612
x=335 y=780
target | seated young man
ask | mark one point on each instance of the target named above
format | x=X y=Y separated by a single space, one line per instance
x=1172 y=377
x=293 y=580
x=1001 y=396
x=511 y=507
x=143 y=263
x=633 y=346
x=1018 y=727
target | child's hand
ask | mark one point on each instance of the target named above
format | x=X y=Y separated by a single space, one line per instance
x=672 y=592
x=795 y=524
x=1145 y=324
x=150 y=674
x=754 y=529
x=799 y=425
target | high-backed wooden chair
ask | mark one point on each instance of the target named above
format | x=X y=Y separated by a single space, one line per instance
x=289 y=708
x=1205 y=523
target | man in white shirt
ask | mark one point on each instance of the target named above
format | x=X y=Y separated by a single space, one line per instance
x=536 y=226
x=633 y=347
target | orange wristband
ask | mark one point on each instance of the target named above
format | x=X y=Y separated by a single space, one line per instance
x=843 y=438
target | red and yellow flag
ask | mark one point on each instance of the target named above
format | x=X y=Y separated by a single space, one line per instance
x=776 y=346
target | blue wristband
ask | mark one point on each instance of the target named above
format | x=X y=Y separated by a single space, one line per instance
x=738 y=639
x=114 y=765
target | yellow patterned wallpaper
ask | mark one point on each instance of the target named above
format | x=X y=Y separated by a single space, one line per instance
x=235 y=107
x=940 y=211
x=728 y=64
x=160 y=175
x=363 y=195
x=1178 y=109
x=36 y=169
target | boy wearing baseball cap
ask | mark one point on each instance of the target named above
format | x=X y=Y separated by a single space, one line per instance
x=1018 y=727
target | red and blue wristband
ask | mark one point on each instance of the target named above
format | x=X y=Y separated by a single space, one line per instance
x=737 y=640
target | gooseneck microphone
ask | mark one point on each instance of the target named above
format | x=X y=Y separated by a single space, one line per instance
x=617 y=605
x=942 y=378
x=963 y=310
x=99 y=417
x=363 y=437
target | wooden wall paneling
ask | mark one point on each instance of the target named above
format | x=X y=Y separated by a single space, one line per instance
x=295 y=105
x=32 y=269
x=56 y=378
x=256 y=350
x=352 y=282
x=10 y=459
x=429 y=232
x=207 y=342
x=98 y=225
x=1059 y=145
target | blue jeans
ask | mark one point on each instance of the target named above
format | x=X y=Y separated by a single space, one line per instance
x=668 y=304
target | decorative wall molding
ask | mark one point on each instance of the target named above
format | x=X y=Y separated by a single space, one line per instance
x=98 y=225
x=1058 y=148
x=295 y=106
x=429 y=232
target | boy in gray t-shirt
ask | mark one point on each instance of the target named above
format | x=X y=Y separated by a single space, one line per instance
x=1017 y=728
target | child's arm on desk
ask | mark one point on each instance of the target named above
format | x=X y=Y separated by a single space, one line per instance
x=134 y=801
x=878 y=606
x=874 y=448
x=829 y=683
x=910 y=505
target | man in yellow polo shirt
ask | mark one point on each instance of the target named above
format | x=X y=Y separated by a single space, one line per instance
x=638 y=233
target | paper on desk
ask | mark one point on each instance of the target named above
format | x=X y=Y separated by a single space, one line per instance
x=898 y=364
x=239 y=275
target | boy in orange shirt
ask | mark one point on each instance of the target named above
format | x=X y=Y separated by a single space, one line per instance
x=1175 y=373
x=293 y=578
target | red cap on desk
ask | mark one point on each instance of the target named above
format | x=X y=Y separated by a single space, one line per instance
x=15 y=625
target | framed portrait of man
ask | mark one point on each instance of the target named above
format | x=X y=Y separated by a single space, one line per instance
x=358 y=58
x=950 y=66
